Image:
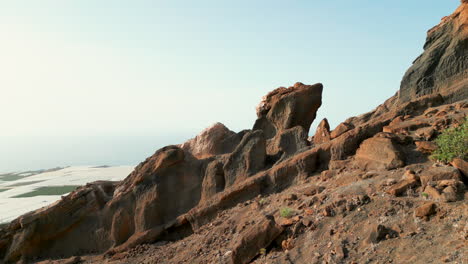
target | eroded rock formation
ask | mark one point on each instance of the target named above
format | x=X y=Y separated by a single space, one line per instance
x=155 y=196
x=443 y=67
x=240 y=197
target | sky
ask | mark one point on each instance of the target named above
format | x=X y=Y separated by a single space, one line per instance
x=109 y=82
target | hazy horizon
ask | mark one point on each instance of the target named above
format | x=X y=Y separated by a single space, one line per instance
x=110 y=82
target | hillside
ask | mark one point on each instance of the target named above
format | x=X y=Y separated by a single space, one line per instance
x=365 y=192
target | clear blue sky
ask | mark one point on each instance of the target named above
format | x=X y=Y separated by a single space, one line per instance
x=110 y=81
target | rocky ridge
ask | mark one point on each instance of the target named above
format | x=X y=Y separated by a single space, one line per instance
x=364 y=192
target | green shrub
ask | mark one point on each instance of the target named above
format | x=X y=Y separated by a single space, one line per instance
x=452 y=143
x=286 y=212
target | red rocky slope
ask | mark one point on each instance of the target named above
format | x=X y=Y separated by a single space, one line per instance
x=362 y=193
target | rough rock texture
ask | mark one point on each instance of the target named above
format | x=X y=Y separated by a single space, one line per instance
x=340 y=129
x=322 y=134
x=439 y=173
x=443 y=67
x=379 y=152
x=285 y=108
x=258 y=236
x=461 y=165
x=358 y=197
x=214 y=140
x=288 y=142
x=248 y=158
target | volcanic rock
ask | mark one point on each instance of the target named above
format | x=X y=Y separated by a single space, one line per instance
x=443 y=67
x=435 y=174
x=341 y=129
x=285 y=108
x=425 y=210
x=379 y=152
x=199 y=195
x=255 y=238
x=426 y=146
x=288 y=142
x=461 y=165
x=322 y=134
x=248 y=158
x=214 y=140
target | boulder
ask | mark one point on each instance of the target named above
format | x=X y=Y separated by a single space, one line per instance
x=214 y=140
x=433 y=193
x=256 y=237
x=425 y=133
x=449 y=194
x=322 y=134
x=285 y=108
x=400 y=188
x=425 y=210
x=435 y=174
x=425 y=146
x=379 y=233
x=378 y=152
x=460 y=165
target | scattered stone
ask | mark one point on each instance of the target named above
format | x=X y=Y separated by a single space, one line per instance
x=287 y=244
x=410 y=176
x=425 y=210
x=426 y=146
x=389 y=182
x=328 y=174
x=425 y=133
x=432 y=192
x=461 y=165
x=313 y=190
x=449 y=194
x=379 y=233
x=307 y=222
x=256 y=237
x=439 y=173
x=403 y=186
x=286 y=221
x=290 y=197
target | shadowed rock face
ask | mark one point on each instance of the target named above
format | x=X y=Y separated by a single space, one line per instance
x=443 y=67
x=177 y=190
x=285 y=108
x=112 y=217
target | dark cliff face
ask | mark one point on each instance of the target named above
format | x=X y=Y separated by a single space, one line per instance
x=443 y=66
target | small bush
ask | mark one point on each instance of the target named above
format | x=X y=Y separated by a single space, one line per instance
x=452 y=143
x=286 y=212
x=425 y=195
